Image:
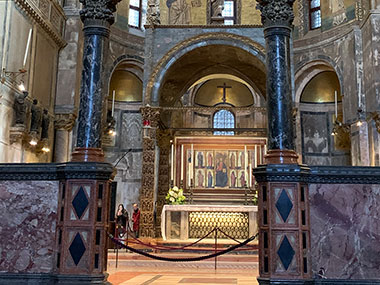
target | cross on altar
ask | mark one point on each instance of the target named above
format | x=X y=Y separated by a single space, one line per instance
x=224 y=86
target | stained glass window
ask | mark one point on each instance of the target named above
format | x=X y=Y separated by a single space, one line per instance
x=315 y=14
x=224 y=119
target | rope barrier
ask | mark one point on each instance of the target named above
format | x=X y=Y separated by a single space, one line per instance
x=163 y=247
x=190 y=259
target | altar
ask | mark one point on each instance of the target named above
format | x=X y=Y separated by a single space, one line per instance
x=195 y=221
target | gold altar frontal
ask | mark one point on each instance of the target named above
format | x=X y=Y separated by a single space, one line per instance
x=196 y=221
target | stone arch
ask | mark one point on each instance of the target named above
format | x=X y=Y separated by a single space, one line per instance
x=306 y=70
x=152 y=92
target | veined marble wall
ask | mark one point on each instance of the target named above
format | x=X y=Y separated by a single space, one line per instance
x=345 y=230
x=28 y=211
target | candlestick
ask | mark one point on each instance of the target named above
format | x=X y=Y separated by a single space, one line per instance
x=255 y=156
x=245 y=164
x=192 y=161
x=113 y=102
x=172 y=162
x=336 y=104
x=27 y=46
x=250 y=175
x=261 y=155
x=182 y=162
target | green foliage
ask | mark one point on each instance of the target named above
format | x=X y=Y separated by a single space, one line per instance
x=175 y=196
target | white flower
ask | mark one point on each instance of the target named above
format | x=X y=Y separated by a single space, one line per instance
x=171 y=199
x=175 y=188
x=171 y=193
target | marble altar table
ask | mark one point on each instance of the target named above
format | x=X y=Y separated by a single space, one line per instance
x=195 y=221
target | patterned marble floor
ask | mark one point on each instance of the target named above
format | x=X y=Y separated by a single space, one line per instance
x=134 y=270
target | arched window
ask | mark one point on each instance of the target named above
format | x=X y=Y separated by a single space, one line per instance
x=229 y=12
x=224 y=119
x=135 y=13
x=315 y=14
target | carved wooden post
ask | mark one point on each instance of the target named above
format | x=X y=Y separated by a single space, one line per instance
x=283 y=199
x=151 y=116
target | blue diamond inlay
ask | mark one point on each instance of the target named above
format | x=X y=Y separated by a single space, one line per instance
x=286 y=253
x=80 y=202
x=284 y=205
x=77 y=249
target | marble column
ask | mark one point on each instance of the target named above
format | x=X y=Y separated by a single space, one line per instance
x=97 y=17
x=63 y=125
x=82 y=227
x=284 y=229
x=277 y=17
x=150 y=162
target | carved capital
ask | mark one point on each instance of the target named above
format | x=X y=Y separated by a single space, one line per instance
x=64 y=122
x=151 y=116
x=98 y=10
x=276 y=12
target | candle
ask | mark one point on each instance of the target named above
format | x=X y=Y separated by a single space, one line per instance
x=182 y=162
x=172 y=163
x=113 y=102
x=27 y=46
x=255 y=155
x=261 y=155
x=245 y=163
x=250 y=175
x=192 y=162
x=336 y=104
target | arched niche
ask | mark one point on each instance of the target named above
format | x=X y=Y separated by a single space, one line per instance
x=127 y=86
x=320 y=138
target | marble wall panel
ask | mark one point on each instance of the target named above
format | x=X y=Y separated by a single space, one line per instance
x=28 y=211
x=131 y=131
x=345 y=230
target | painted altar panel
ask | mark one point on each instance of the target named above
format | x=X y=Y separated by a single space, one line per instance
x=217 y=163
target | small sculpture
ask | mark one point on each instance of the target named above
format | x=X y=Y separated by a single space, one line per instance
x=19 y=107
x=217 y=7
x=45 y=125
x=35 y=122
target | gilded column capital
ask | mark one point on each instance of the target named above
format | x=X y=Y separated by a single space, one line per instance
x=64 y=122
x=98 y=10
x=276 y=12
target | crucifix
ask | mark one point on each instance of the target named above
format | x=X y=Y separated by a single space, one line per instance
x=224 y=86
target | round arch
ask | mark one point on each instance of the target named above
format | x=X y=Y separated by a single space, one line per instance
x=201 y=43
x=308 y=70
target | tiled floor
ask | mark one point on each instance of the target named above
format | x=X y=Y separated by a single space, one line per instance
x=135 y=270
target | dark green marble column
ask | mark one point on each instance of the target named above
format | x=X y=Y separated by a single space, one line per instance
x=277 y=17
x=284 y=229
x=97 y=17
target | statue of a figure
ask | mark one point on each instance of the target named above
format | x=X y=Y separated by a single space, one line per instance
x=19 y=107
x=45 y=125
x=217 y=6
x=179 y=12
x=35 y=122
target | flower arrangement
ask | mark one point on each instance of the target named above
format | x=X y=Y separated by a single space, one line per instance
x=175 y=196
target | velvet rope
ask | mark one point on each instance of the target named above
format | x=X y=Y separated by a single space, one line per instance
x=189 y=259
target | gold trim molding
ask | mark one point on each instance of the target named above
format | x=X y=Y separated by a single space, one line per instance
x=49 y=15
x=187 y=42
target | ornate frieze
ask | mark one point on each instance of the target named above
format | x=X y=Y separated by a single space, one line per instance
x=276 y=12
x=98 y=10
x=49 y=14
